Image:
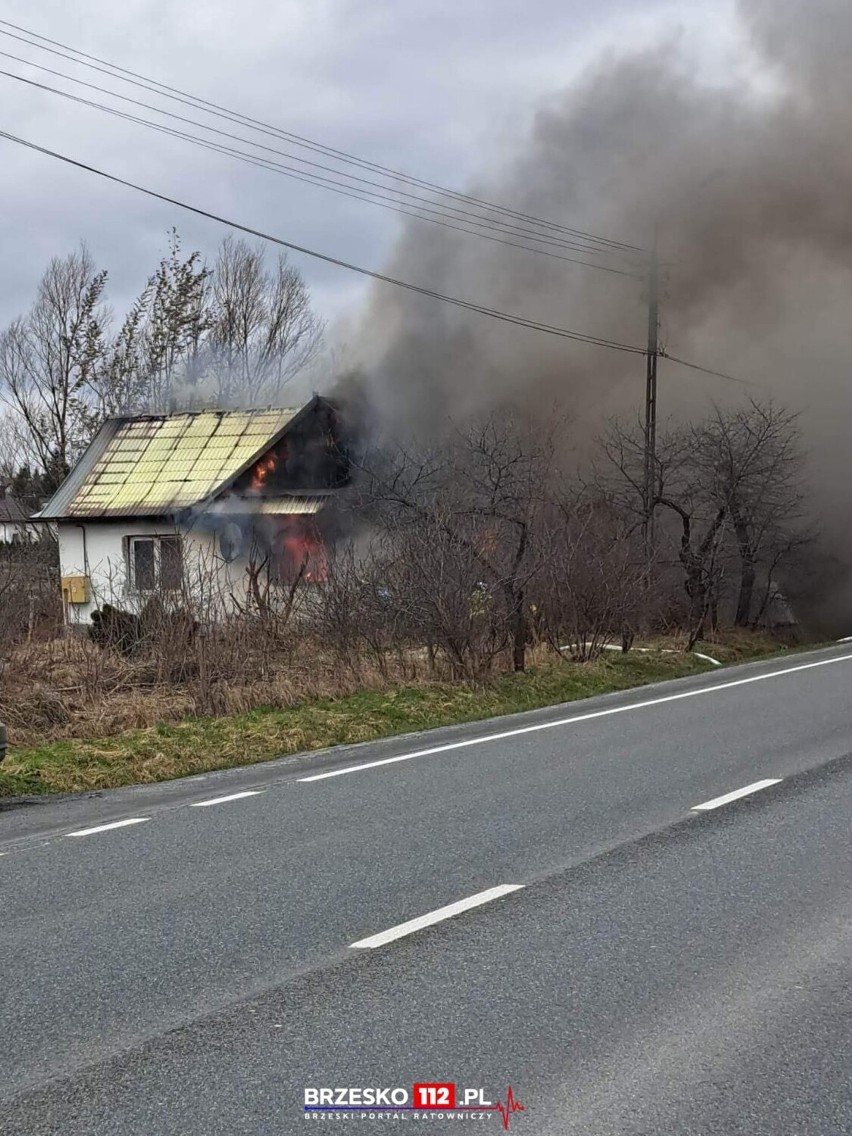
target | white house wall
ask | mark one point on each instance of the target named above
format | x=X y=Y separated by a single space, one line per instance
x=101 y=557
x=13 y=533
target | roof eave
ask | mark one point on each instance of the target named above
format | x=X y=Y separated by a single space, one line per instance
x=101 y=518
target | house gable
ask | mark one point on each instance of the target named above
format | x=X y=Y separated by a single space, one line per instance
x=308 y=458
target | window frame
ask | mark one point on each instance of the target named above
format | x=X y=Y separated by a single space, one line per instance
x=156 y=540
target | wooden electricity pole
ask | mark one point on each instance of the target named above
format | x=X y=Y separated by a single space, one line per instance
x=651 y=400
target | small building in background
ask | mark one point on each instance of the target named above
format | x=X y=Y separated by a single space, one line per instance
x=15 y=526
x=211 y=510
x=778 y=616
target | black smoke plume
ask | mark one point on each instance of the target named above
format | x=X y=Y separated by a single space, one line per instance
x=749 y=184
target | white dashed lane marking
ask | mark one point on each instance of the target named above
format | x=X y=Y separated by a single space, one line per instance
x=224 y=800
x=107 y=827
x=746 y=791
x=436 y=916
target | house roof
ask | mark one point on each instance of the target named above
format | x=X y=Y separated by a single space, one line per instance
x=158 y=464
x=12 y=511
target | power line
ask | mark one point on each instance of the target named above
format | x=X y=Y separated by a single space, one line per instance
x=423 y=202
x=163 y=90
x=704 y=370
x=371 y=196
x=508 y=317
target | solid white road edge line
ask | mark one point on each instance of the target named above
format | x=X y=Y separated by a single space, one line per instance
x=105 y=827
x=437 y=916
x=737 y=793
x=230 y=797
x=572 y=720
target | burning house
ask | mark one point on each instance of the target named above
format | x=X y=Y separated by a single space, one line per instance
x=231 y=501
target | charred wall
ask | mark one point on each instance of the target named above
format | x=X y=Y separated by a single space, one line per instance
x=312 y=457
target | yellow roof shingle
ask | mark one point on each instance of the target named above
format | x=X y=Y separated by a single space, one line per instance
x=154 y=465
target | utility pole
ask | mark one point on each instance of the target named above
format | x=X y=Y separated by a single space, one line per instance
x=651 y=400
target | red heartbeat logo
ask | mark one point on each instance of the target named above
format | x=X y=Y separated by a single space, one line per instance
x=508 y=1108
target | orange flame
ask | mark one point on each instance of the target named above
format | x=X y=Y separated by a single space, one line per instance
x=303 y=553
x=262 y=471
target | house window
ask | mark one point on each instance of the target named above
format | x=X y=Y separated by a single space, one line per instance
x=171 y=563
x=156 y=563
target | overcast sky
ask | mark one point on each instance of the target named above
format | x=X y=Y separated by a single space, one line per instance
x=444 y=89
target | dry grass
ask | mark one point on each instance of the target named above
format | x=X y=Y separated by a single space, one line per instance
x=166 y=750
x=81 y=718
x=72 y=688
x=733 y=645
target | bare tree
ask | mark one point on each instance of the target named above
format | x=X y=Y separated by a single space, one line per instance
x=13 y=449
x=752 y=462
x=680 y=489
x=593 y=582
x=48 y=364
x=263 y=328
x=732 y=484
x=122 y=378
x=29 y=595
x=177 y=319
x=154 y=362
x=436 y=584
x=481 y=495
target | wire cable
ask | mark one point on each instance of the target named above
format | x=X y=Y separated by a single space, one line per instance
x=163 y=90
x=478 y=219
x=508 y=317
x=319 y=179
x=315 y=179
x=704 y=370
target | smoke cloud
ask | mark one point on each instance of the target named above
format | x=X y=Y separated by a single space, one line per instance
x=750 y=186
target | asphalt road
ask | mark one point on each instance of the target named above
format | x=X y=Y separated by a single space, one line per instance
x=661 y=969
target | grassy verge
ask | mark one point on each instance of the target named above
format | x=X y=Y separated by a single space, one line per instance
x=198 y=745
